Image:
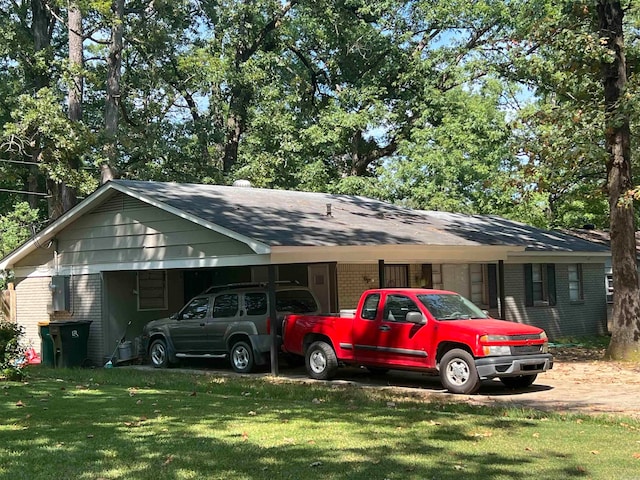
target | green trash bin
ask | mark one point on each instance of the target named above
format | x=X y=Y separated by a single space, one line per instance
x=46 y=344
x=70 y=340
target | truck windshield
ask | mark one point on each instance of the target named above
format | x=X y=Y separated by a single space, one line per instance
x=446 y=306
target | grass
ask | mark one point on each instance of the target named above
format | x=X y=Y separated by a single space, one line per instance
x=130 y=424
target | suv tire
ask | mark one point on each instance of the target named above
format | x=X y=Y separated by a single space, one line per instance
x=158 y=354
x=241 y=357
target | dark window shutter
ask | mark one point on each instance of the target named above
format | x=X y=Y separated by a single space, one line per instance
x=551 y=283
x=492 y=278
x=528 y=285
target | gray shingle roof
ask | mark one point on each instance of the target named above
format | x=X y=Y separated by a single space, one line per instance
x=292 y=218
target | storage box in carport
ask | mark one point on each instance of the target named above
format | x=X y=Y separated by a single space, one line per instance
x=70 y=342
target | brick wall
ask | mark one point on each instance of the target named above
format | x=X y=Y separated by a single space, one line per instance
x=353 y=279
x=33 y=301
x=86 y=301
x=33 y=305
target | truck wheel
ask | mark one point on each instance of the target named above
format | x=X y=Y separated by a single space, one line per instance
x=158 y=354
x=458 y=372
x=522 y=381
x=241 y=357
x=321 y=361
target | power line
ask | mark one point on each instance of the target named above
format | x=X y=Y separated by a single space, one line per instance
x=22 y=162
x=26 y=193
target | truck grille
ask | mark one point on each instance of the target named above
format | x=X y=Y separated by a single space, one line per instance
x=526 y=349
x=534 y=336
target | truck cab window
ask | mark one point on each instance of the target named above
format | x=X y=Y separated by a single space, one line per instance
x=397 y=306
x=370 y=307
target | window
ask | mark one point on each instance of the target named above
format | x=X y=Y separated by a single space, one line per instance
x=370 y=306
x=609 y=286
x=575 y=282
x=225 y=305
x=255 y=303
x=396 y=308
x=152 y=290
x=478 y=282
x=197 y=308
x=396 y=276
x=540 y=284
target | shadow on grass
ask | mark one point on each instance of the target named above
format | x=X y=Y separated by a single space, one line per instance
x=136 y=425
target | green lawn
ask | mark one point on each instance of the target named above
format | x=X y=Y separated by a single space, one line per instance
x=131 y=424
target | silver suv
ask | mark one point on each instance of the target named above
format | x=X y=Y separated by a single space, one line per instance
x=227 y=320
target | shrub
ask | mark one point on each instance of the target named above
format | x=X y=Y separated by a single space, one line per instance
x=11 y=352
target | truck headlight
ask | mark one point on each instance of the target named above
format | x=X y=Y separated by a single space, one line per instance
x=496 y=350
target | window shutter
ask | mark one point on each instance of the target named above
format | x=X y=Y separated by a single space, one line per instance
x=528 y=285
x=551 y=283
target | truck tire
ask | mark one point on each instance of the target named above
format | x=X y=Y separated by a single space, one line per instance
x=522 y=381
x=458 y=372
x=321 y=361
x=158 y=354
x=241 y=356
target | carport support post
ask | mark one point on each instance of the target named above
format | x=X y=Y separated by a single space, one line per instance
x=381 y=278
x=273 y=315
x=501 y=287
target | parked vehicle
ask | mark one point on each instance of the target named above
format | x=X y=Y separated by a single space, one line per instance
x=225 y=321
x=425 y=330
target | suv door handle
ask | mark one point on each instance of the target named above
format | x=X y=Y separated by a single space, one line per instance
x=384 y=328
x=202 y=324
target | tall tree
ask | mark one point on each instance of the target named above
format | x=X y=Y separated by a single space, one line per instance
x=625 y=340
x=113 y=93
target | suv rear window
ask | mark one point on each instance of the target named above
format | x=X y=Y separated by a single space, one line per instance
x=295 y=301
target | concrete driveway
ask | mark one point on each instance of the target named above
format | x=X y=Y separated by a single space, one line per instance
x=589 y=387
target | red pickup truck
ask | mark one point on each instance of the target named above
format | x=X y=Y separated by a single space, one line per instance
x=433 y=331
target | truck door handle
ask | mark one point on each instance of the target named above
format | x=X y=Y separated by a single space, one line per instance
x=202 y=324
x=384 y=328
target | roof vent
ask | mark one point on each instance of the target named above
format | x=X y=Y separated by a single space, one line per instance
x=589 y=226
x=242 y=183
x=329 y=210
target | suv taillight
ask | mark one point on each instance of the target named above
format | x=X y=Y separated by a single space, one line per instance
x=268 y=326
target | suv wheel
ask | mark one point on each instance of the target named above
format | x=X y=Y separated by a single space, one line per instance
x=158 y=354
x=242 y=357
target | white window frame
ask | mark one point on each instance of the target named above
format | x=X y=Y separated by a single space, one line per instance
x=539 y=277
x=576 y=290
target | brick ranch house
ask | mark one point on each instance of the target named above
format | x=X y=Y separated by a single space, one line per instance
x=134 y=251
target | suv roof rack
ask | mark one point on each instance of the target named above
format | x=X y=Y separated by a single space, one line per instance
x=238 y=286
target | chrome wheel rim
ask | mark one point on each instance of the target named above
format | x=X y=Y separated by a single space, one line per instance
x=240 y=357
x=317 y=362
x=458 y=372
x=158 y=354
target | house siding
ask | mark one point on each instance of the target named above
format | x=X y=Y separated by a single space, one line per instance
x=125 y=230
x=566 y=318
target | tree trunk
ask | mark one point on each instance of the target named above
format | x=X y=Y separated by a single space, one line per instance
x=625 y=340
x=64 y=197
x=41 y=27
x=111 y=109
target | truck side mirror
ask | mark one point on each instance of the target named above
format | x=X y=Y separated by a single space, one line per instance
x=415 y=317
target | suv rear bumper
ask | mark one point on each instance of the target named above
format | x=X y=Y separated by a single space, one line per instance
x=513 y=366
